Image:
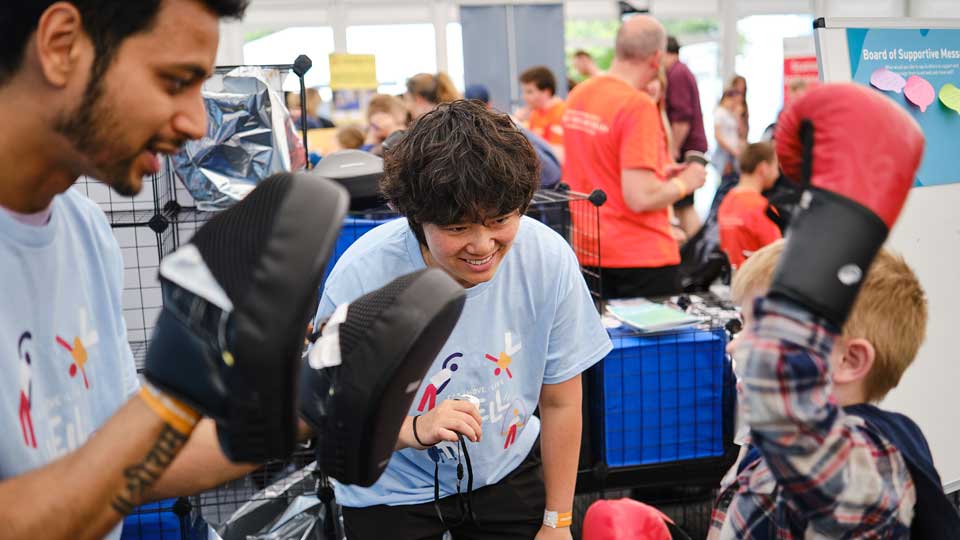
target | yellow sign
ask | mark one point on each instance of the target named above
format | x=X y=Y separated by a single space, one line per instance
x=353 y=71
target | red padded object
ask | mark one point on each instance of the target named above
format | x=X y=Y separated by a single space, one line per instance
x=865 y=147
x=624 y=519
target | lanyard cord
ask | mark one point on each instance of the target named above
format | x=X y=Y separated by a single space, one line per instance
x=466 y=507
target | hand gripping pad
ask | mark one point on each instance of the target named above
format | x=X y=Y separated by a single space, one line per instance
x=388 y=341
x=241 y=366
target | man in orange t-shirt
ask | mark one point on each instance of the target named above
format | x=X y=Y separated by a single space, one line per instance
x=545 y=109
x=742 y=216
x=614 y=141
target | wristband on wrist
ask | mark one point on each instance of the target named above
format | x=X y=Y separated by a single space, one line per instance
x=415 y=436
x=557 y=520
x=681 y=187
x=177 y=415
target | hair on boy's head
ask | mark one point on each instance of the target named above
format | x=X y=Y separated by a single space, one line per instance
x=890 y=312
x=457 y=164
x=385 y=103
x=350 y=137
x=754 y=154
x=541 y=77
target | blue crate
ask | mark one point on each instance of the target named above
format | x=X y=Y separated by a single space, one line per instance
x=661 y=398
x=154 y=521
x=353 y=228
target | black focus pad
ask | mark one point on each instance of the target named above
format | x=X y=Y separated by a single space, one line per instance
x=388 y=341
x=268 y=254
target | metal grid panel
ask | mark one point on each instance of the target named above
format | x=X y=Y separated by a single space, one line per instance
x=576 y=217
x=144 y=235
x=277 y=481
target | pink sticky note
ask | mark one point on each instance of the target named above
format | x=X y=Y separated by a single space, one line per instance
x=919 y=91
x=884 y=79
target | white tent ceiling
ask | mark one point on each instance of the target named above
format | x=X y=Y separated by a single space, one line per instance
x=265 y=15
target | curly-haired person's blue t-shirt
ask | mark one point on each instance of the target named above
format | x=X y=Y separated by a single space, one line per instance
x=534 y=323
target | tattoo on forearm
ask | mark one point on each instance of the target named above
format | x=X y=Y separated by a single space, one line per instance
x=138 y=478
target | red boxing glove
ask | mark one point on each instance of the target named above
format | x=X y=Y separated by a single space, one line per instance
x=625 y=519
x=865 y=147
x=856 y=153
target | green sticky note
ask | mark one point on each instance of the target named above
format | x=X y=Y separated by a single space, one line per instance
x=950 y=96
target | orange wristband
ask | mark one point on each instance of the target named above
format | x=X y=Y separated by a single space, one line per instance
x=177 y=415
x=557 y=520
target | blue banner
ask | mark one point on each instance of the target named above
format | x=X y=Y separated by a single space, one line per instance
x=920 y=70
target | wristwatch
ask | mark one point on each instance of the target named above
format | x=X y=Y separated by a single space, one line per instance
x=557 y=520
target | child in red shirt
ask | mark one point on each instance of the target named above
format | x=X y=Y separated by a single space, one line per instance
x=545 y=109
x=744 y=225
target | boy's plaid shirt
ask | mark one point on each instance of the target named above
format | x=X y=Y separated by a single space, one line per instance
x=823 y=474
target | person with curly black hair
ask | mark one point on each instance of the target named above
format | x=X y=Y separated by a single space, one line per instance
x=462 y=177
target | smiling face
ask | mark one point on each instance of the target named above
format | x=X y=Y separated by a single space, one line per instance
x=470 y=252
x=147 y=101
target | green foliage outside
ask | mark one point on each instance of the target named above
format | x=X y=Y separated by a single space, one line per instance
x=597 y=37
x=256 y=34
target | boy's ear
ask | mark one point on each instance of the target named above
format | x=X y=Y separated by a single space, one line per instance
x=856 y=363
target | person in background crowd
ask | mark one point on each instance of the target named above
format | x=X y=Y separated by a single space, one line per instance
x=742 y=218
x=686 y=124
x=656 y=90
x=314 y=120
x=795 y=89
x=739 y=84
x=425 y=92
x=614 y=140
x=348 y=138
x=550 y=171
x=313 y=109
x=584 y=64
x=543 y=112
x=726 y=129
x=385 y=116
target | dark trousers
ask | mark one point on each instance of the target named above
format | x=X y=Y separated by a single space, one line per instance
x=640 y=282
x=511 y=509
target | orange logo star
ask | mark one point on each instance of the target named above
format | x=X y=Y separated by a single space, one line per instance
x=79 y=354
x=503 y=362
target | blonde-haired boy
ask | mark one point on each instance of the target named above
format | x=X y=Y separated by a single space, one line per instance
x=887 y=459
x=881 y=337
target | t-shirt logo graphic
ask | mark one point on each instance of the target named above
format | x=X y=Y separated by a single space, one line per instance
x=438 y=382
x=26 y=390
x=513 y=423
x=77 y=350
x=505 y=358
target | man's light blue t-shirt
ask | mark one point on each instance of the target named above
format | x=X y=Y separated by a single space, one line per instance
x=63 y=350
x=534 y=323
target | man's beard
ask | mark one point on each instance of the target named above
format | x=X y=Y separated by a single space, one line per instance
x=88 y=129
